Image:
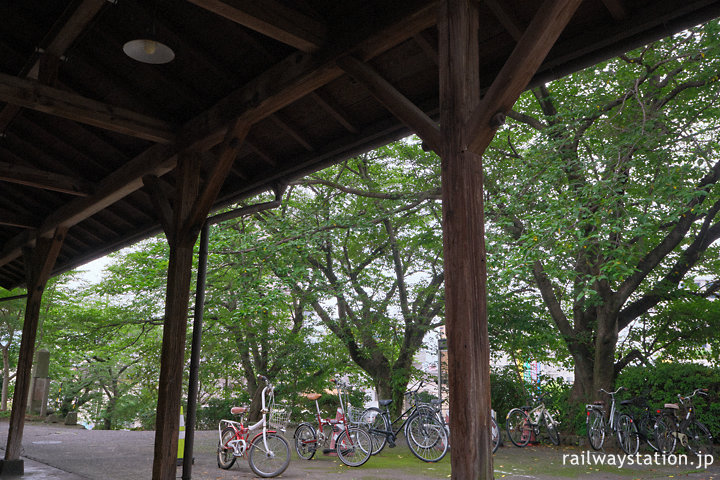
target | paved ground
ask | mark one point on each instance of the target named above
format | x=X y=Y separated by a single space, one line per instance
x=57 y=452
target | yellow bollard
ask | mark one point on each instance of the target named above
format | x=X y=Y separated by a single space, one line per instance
x=181 y=439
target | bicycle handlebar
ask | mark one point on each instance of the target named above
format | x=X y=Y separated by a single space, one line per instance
x=698 y=391
x=612 y=393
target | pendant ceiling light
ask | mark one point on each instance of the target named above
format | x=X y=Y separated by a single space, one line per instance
x=149 y=49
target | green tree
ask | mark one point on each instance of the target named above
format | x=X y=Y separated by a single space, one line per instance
x=603 y=198
x=366 y=239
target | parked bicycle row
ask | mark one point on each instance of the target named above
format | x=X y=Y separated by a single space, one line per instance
x=663 y=429
x=354 y=435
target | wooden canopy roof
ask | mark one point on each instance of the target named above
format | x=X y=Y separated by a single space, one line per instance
x=81 y=124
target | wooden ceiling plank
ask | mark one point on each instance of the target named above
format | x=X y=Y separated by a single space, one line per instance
x=292 y=131
x=42 y=179
x=508 y=22
x=33 y=95
x=617 y=9
x=264 y=155
x=272 y=19
x=394 y=101
x=520 y=67
x=331 y=107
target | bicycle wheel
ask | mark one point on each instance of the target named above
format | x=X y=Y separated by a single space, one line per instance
x=225 y=452
x=354 y=446
x=494 y=434
x=376 y=422
x=646 y=429
x=426 y=437
x=306 y=441
x=551 y=429
x=666 y=433
x=627 y=434
x=269 y=457
x=595 y=428
x=699 y=439
x=518 y=427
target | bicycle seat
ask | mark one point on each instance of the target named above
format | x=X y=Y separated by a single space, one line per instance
x=312 y=396
x=238 y=410
x=384 y=403
x=673 y=406
x=626 y=402
x=435 y=401
x=526 y=407
x=599 y=403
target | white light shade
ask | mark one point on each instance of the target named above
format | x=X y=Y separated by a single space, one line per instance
x=148 y=51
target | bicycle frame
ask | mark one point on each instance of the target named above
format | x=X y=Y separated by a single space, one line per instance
x=682 y=423
x=240 y=443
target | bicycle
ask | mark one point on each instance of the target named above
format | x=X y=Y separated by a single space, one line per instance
x=644 y=420
x=425 y=434
x=692 y=434
x=524 y=422
x=268 y=452
x=352 y=443
x=620 y=423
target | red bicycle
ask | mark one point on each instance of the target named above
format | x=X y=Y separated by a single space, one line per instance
x=268 y=452
x=351 y=442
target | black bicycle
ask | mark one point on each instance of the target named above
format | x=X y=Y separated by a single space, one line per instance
x=672 y=429
x=425 y=434
x=644 y=418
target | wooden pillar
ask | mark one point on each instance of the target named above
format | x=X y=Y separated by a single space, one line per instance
x=464 y=245
x=38 y=265
x=182 y=222
x=172 y=359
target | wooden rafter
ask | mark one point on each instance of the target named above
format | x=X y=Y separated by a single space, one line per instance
x=334 y=110
x=617 y=9
x=33 y=95
x=56 y=47
x=292 y=131
x=41 y=179
x=508 y=22
x=14 y=219
x=272 y=19
x=396 y=102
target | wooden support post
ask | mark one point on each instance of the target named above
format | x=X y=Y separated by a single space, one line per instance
x=38 y=265
x=190 y=208
x=464 y=245
x=172 y=359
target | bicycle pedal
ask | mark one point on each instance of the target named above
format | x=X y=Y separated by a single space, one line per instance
x=391 y=444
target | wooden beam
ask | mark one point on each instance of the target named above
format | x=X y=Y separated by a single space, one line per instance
x=38 y=265
x=272 y=19
x=334 y=110
x=160 y=197
x=617 y=9
x=42 y=98
x=406 y=111
x=513 y=78
x=464 y=245
x=41 y=179
x=56 y=46
x=508 y=22
x=429 y=49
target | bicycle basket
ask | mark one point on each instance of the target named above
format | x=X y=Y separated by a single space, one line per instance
x=279 y=419
x=354 y=415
